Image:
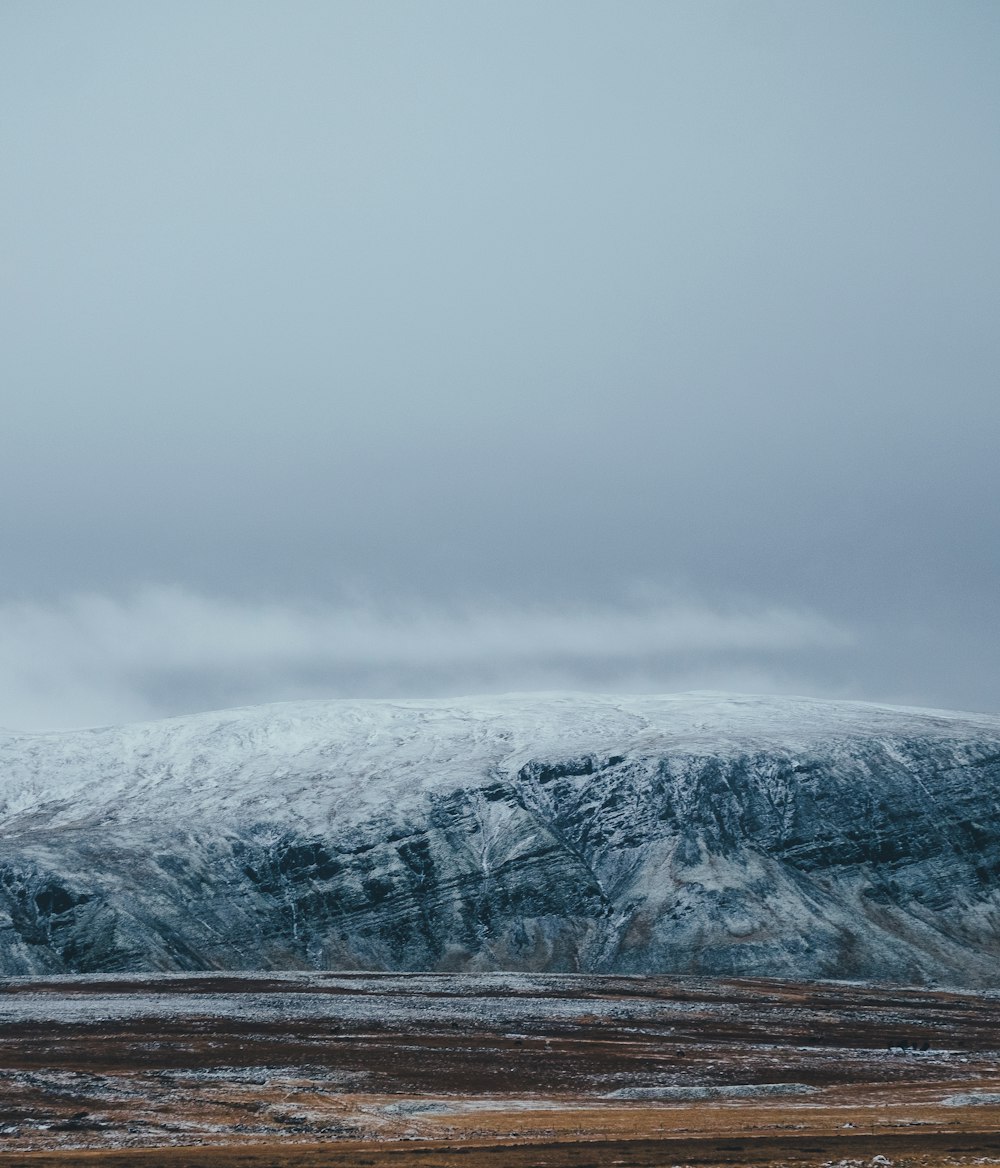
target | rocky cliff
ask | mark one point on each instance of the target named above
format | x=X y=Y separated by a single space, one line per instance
x=687 y=833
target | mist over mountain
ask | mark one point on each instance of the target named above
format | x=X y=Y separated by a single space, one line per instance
x=362 y=350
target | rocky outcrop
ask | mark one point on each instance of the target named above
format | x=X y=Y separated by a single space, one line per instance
x=690 y=833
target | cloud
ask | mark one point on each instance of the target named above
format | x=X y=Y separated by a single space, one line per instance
x=95 y=659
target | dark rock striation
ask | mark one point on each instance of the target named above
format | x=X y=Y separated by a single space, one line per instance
x=690 y=833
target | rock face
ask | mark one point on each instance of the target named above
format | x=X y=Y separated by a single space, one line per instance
x=687 y=833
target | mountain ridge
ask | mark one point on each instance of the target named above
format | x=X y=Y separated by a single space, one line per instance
x=703 y=832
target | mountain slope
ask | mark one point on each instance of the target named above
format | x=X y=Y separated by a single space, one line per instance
x=691 y=832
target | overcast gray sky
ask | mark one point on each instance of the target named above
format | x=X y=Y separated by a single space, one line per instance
x=422 y=348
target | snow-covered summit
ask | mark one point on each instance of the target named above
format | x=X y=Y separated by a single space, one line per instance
x=284 y=758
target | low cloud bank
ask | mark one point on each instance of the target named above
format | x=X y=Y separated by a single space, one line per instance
x=90 y=659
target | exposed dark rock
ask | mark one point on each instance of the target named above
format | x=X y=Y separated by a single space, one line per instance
x=794 y=839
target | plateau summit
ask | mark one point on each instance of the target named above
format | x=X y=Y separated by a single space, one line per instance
x=688 y=833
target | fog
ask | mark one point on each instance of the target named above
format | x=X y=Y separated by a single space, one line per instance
x=381 y=348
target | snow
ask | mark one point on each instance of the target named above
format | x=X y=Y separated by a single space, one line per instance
x=704 y=1092
x=971 y=1099
x=511 y=1003
x=318 y=762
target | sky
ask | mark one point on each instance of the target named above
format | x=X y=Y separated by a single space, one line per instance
x=395 y=349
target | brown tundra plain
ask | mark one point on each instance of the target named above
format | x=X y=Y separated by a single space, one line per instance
x=504 y=1070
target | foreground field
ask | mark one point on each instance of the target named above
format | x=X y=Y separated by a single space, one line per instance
x=509 y=1071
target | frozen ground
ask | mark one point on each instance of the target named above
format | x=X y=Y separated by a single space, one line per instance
x=357 y=1064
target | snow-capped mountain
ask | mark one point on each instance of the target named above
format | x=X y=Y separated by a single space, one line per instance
x=685 y=833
